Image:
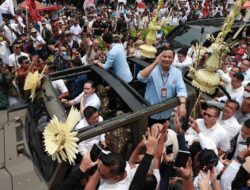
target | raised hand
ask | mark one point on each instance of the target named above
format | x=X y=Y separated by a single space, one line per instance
x=204 y=180
x=151 y=141
x=87 y=163
x=194 y=125
x=185 y=173
x=177 y=123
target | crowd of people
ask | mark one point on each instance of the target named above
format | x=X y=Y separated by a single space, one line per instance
x=216 y=142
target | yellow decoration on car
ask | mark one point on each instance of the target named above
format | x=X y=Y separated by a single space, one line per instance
x=31 y=82
x=206 y=80
x=148 y=50
x=59 y=138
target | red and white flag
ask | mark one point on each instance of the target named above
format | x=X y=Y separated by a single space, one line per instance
x=140 y=6
x=32 y=9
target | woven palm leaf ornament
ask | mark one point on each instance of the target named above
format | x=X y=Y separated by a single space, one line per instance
x=148 y=50
x=32 y=81
x=60 y=140
x=207 y=80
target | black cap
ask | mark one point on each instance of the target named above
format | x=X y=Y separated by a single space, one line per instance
x=208 y=157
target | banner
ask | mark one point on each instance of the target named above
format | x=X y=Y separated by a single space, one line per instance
x=32 y=9
x=7 y=7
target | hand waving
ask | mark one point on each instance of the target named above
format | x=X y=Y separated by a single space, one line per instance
x=151 y=141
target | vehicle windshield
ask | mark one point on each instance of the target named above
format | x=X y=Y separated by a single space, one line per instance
x=39 y=118
x=186 y=33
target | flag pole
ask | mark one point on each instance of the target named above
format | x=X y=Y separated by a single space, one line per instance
x=27 y=19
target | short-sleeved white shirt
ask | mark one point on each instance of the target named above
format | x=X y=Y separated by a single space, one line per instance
x=121 y=185
x=76 y=30
x=217 y=133
x=4 y=52
x=92 y=100
x=59 y=86
x=86 y=145
x=231 y=125
x=38 y=41
x=13 y=59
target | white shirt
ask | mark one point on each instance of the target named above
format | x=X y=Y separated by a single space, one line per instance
x=76 y=31
x=239 y=147
x=20 y=21
x=9 y=34
x=13 y=59
x=4 y=52
x=37 y=41
x=92 y=100
x=216 y=133
x=86 y=145
x=59 y=86
x=15 y=27
x=180 y=65
x=224 y=77
x=236 y=94
x=121 y=185
x=229 y=175
x=173 y=20
x=231 y=125
x=246 y=76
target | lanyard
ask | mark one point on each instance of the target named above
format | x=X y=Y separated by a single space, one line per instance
x=164 y=82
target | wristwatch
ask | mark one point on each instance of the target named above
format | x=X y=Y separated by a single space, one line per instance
x=240 y=160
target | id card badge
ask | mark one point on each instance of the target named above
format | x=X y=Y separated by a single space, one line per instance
x=164 y=92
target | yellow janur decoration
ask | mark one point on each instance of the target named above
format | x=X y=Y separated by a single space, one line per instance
x=32 y=81
x=59 y=138
x=148 y=50
x=206 y=80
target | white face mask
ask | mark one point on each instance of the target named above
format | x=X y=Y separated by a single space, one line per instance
x=246 y=94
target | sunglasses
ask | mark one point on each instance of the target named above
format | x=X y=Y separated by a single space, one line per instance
x=205 y=114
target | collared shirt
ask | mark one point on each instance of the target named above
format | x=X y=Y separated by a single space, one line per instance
x=216 y=133
x=236 y=94
x=59 y=86
x=224 y=76
x=239 y=147
x=38 y=42
x=183 y=66
x=121 y=185
x=229 y=175
x=116 y=60
x=175 y=88
x=86 y=145
x=4 y=52
x=246 y=75
x=231 y=125
x=13 y=59
x=92 y=100
x=76 y=31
